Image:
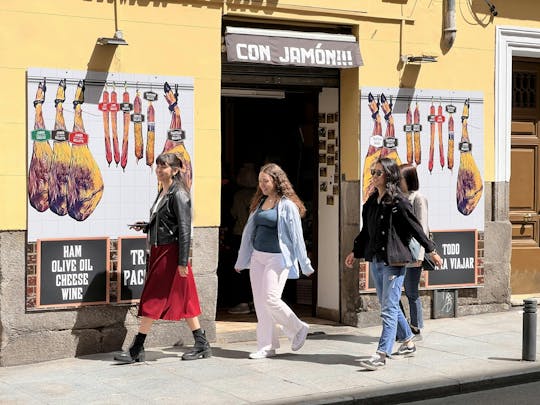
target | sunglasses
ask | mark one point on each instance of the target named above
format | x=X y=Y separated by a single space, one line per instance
x=376 y=173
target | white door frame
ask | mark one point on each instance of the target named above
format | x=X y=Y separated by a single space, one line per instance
x=510 y=41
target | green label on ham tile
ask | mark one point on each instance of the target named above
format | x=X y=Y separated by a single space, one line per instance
x=41 y=135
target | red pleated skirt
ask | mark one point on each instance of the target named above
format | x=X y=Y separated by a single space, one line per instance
x=167 y=295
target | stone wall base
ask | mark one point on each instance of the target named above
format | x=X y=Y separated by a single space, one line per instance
x=41 y=335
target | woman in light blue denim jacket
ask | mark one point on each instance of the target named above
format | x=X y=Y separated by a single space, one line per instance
x=272 y=247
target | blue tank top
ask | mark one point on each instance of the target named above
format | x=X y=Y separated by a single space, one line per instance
x=266 y=233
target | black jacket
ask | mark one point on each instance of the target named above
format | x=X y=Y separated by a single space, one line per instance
x=171 y=222
x=372 y=241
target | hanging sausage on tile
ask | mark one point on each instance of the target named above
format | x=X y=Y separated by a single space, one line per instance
x=417 y=128
x=469 y=181
x=150 y=96
x=104 y=108
x=126 y=108
x=85 y=184
x=61 y=158
x=113 y=108
x=450 y=109
x=431 y=120
x=138 y=118
x=408 y=135
x=40 y=163
x=374 y=150
x=440 y=120
x=176 y=135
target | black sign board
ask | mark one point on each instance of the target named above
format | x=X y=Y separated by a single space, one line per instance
x=458 y=251
x=72 y=272
x=131 y=268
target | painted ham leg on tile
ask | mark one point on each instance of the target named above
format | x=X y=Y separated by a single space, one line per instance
x=40 y=163
x=61 y=158
x=176 y=136
x=374 y=149
x=469 y=181
x=85 y=184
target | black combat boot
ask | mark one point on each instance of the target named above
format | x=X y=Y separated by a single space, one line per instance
x=135 y=353
x=201 y=349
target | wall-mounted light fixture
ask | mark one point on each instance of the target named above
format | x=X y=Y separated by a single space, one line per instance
x=117 y=39
x=418 y=59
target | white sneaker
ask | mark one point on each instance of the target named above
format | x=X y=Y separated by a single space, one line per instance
x=376 y=362
x=262 y=354
x=300 y=337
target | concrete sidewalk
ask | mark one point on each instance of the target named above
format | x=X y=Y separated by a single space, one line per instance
x=456 y=355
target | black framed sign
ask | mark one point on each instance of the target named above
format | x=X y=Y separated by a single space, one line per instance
x=459 y=254
x=131 y=269
x=72 y=272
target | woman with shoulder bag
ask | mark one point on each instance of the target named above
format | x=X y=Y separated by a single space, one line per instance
x=409 y=186
x=388 y=225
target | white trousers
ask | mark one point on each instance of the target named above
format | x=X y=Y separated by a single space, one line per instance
x=268 y=276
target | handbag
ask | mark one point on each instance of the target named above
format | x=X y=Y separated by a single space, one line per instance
x=427 y=263
x=414 y=247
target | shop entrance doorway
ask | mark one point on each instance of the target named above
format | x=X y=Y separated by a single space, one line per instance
x=260 y=126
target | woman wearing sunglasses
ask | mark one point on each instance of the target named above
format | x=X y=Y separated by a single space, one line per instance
x=388 y=211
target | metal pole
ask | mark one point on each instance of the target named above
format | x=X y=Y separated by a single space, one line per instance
x=529 y=330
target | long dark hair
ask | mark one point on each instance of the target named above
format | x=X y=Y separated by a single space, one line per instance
x=283 y=186
x=172 y=160
x=392 y=177
x=409 y=174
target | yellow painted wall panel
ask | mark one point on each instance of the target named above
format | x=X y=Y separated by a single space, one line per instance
x=171 y=39
x=13 y=202
x=204 y=213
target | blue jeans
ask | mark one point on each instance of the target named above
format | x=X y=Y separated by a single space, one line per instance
x=388 y=282
x=412 y=279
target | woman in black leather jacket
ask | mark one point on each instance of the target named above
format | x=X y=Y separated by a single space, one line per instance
x=169 y=290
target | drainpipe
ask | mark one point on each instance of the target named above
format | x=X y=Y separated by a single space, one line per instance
x=450 y=23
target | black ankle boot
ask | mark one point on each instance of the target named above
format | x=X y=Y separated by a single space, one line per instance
x=135 y=353
x=201 y=349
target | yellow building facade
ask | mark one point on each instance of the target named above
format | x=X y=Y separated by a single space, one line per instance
x=186 y=39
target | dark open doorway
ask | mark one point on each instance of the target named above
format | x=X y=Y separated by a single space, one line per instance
x=278 y=127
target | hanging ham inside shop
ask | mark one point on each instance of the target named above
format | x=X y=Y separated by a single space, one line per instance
x=40 y=163
x=374 y=150
x=469 y=181
x=85 y=184
x=58 y=190
x=176 y=136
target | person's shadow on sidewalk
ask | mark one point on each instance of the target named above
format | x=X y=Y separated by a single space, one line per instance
x=363 y=339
